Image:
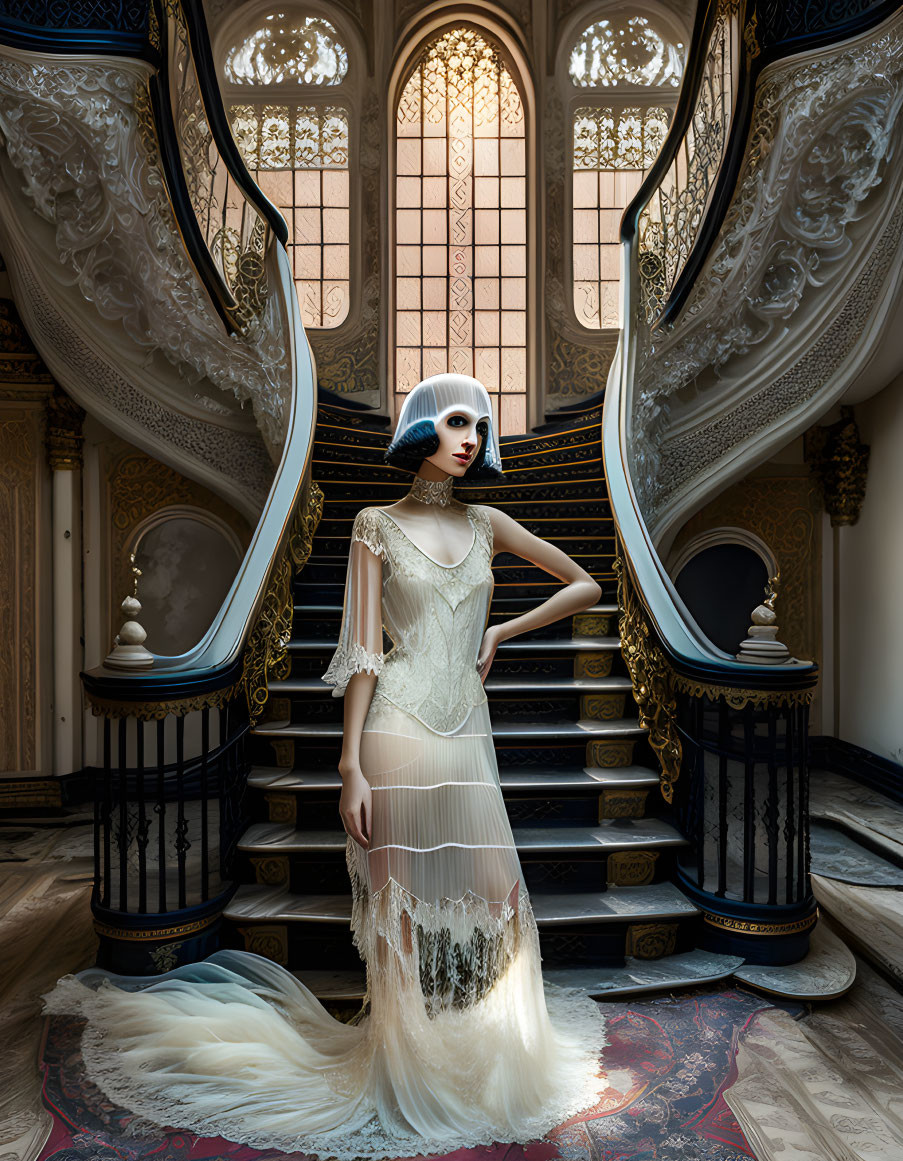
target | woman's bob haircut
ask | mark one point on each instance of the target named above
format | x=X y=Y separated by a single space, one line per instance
x=416 y=439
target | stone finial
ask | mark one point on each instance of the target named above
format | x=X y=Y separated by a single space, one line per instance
x=761 y=646
x=128 y=650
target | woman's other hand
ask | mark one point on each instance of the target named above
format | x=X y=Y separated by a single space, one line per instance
x=355 y=805
x=491 y=641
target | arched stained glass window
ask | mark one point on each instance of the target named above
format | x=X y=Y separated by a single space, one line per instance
x=461 y=223
x=617 y=136
x=625 y=49
x=296 y=144
x=302 y=49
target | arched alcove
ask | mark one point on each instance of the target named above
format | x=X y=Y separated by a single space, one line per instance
x=188 y=560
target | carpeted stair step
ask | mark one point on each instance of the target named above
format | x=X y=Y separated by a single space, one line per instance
x=658 y=901
x=579 y=795
x=625 y=729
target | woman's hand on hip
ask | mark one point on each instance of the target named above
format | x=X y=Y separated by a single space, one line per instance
x=488 y=646
x=355 y=806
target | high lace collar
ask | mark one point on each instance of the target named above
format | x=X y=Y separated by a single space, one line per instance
x=433 y=491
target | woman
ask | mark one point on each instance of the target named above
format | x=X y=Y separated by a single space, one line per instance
x=457 y=1044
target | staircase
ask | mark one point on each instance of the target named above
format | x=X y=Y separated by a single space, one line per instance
x=576 y=771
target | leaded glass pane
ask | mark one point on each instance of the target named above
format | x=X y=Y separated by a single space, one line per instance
x=298 y=155
x=613 y=150
x=284 y=48
x=625 y=49
x=461 y=223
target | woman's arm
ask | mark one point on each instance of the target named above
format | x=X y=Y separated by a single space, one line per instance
x=356 y=664
x=356 y=800
x=580 y=591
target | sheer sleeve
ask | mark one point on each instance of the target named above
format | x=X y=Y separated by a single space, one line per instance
x=361 y=634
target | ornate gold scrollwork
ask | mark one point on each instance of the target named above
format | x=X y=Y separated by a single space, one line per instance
x=271 y=870
x=651 y=940
x=622 y=803
x=631 y=868
x=149 y=711
x=751 y=927
x=738 y=698
x=266 y=654
x=839 y=461
x=270 y=941
x=653 y=681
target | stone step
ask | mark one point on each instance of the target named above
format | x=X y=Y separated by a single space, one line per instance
x=267 y=839
x=514 y=648
x=587 y=729
x=636 y=976
x=549 y=780
x=501 y=604
x=657 y=901
x=493 y=685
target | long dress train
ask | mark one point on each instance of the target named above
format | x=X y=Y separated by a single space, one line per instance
x=458 y=1043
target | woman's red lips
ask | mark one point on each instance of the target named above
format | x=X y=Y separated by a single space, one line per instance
x=463 y=458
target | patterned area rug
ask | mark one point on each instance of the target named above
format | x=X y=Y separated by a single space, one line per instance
x=667 y=1065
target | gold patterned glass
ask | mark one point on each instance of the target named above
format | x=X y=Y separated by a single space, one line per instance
x=298 y=155
x=625 y=49
x=461 y=224
x=613 y=150
x=284 y=48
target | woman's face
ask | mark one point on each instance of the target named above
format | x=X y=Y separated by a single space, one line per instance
x=460 y=434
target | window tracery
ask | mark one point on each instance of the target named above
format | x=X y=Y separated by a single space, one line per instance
x=625 y=49
x=461 y=222
x=617 y=134
x=284 y=48
x=613 y=151
x=297 y=148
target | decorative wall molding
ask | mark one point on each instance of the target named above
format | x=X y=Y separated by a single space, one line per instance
x=348 y=361
x=809 y=237
x=23 y=620
x=86 y=207
x=64 y=432
x=578 y=361
x=232 y=463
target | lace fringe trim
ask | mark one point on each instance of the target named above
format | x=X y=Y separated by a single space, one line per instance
x=573 y=1016
x=346 y=662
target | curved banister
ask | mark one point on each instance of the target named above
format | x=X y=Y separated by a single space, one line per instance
x=215 y=662
x=687 y=647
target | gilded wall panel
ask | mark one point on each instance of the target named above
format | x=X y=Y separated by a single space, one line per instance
x=22 y=471
x=785 y=511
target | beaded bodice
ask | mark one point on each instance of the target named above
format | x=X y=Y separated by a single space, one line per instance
x=435 y=615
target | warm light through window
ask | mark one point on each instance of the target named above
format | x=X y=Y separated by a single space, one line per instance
x=461 y=224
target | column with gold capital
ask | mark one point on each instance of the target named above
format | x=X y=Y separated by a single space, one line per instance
x=63 y=440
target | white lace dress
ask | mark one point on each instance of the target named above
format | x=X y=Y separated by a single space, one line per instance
x=458 y=1043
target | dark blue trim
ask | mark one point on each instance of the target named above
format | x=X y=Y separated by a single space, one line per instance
x=136 y=688
x=857 y=764
x=755 y=948
x=147 y=920
x=122 y=33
